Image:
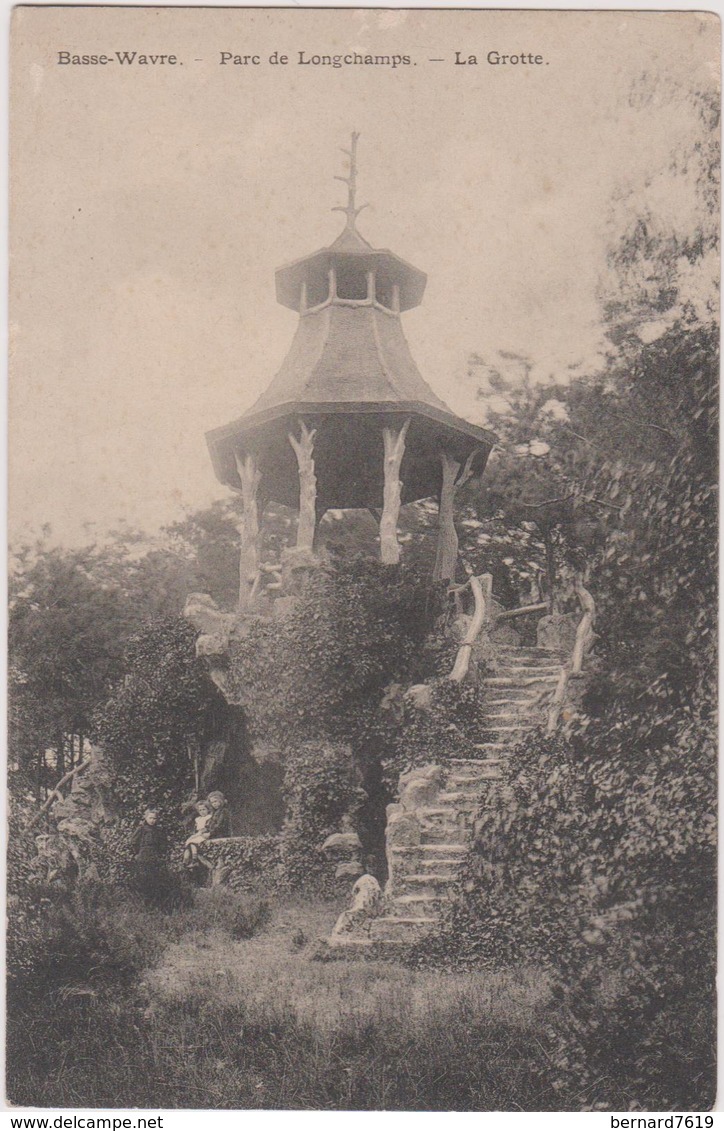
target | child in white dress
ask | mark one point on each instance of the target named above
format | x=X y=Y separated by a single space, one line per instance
x=191 y=846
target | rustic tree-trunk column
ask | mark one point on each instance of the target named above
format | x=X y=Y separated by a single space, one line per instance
x=447 y=536
x=250 y=477
x=584 y=634
x=303 y=450
x=394 y=441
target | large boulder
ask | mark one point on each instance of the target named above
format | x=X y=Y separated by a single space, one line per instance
x=403 y=828
x=420 y=786
x=342 y=843
x=212 y=625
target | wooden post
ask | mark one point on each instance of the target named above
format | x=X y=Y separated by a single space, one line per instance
x=394 y=442
x=447 y=537
x=303 y=450
x=250 y=477
x=396 y=298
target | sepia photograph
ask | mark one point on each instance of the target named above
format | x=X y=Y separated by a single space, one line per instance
x=362 y=560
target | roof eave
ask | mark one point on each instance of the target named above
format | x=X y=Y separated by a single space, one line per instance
x=216 y=438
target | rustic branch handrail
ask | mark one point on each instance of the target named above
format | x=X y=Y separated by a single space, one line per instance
x=462 y=660
x=522 y=611
x=573 y=666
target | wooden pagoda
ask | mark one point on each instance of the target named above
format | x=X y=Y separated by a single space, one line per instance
x=348 y=421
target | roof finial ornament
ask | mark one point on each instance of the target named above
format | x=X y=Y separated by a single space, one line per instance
x=350 y=210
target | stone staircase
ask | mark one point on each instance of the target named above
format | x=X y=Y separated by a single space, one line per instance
x=423 y=872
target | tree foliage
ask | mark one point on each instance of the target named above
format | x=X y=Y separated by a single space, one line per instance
x=154 y=724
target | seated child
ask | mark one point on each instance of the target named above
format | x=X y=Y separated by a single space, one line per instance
x=191 y=846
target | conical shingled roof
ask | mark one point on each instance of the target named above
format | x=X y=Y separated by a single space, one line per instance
x=347 y=355
x=349 y=374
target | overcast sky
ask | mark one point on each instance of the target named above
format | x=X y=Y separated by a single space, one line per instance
x=152 y=205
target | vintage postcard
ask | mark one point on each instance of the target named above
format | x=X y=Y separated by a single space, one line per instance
x=363 y=548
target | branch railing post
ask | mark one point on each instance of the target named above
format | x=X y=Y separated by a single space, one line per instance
x=574 y=666
x=480 y=586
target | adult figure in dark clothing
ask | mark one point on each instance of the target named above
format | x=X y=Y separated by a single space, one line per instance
x=150 y=877
x=220 y=824
x=218 y=827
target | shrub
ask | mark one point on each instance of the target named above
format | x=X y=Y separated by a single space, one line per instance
x=90 y=937
x=253 y=861
x=449 y=728
x=356 y=628
x=321 y=787
x=597 y=858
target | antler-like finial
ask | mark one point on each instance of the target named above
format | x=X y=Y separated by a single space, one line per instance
x=351 y=211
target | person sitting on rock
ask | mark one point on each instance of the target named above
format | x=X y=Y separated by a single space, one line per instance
x=201 y=833
x=220 y=824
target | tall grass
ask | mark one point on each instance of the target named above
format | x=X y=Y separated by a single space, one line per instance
x=211 y=1022
x=91 y=1052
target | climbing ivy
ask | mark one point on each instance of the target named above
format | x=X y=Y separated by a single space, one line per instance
x=320 y=670
x=321 y=787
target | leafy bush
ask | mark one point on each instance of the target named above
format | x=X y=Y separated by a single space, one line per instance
x=158 y=716
x=312 y=684
x=319 y=671
x=596 y=857
x=321 y=787
x=78 y=941
x=253 y=861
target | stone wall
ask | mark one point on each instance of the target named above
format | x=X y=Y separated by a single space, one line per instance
x=251 y=863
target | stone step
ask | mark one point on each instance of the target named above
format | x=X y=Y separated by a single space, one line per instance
x=474 y=762
x=504 y=715
x=481 y=767
x=429 y=850
x=530 y=653
x=516 y=705
x=513 y=697
x=437 y=867
x=524 y=673
x=421 y=904
x=446 y=834
x=490 y=773
x=520 y=684
x=500 y=745
x=464 y=799
x=472 y=797
x=441 y=823
x=430 y=883
x=399 y=928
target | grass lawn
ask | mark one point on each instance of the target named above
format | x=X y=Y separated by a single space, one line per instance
x=213 y=1022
